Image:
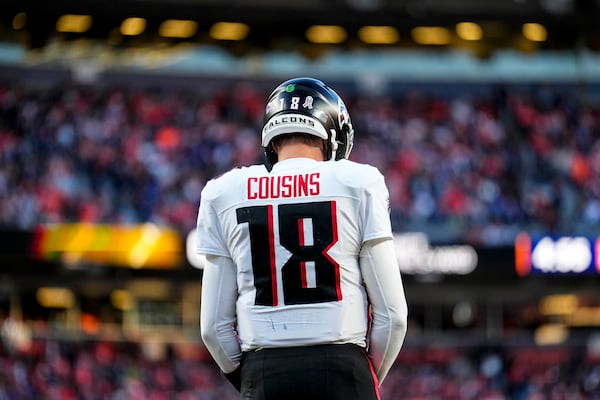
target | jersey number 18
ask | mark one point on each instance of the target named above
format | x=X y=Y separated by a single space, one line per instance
x=307 y=231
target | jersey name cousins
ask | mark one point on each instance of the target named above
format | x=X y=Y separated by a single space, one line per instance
x=276 y=186
x=296 y=233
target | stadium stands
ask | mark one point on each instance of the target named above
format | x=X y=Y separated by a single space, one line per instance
x=469 y=167
x=54 y=369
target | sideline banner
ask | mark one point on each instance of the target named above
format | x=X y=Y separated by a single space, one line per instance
x=133 y=246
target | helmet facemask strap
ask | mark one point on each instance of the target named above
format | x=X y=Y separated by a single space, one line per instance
x=270 y=156
x=333 y=143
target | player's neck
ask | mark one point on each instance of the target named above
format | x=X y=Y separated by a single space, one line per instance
x=296 y=150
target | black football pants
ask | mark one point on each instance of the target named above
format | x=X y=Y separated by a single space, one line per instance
x=324 y=372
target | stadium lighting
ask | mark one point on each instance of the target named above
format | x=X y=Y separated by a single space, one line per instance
x=122 y=300
x=326 y=34
x=535 y=32
x=55 y=297
x=71 y=23
x=378 y=34
x=229 y=31
x=431 y=35
x=584 y=316
x=140 y=251
x=19 y=21
x=149 y=289
x=469 y=31
x=133 y=26
x=550 y=334
x=558 y=304
x=179 y=29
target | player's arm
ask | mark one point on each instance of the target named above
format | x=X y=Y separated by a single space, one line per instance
x=384 y=287
x=217 y=317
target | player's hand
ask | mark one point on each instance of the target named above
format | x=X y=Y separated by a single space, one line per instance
x=235 y=378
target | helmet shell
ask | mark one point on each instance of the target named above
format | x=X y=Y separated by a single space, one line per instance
x=307 y=105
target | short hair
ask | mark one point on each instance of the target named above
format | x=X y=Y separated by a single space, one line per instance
x=297 y=137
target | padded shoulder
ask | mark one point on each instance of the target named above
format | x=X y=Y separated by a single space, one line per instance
x=225 y=182
x=355 y=174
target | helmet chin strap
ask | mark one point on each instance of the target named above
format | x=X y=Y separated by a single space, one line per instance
x=334 y=144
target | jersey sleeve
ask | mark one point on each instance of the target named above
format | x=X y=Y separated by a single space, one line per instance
x=217 y=316
x=209 y=238
x=389 y=310
x=375 y=208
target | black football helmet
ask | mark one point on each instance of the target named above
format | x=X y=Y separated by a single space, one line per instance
x=307 y=105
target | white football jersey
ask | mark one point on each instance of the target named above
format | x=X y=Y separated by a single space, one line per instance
x=295 y=235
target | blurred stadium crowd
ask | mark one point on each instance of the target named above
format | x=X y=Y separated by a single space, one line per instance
x=102 y=370
x=477 y=166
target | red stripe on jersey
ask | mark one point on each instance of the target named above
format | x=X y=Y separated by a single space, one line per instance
x=338 y=287
x=301 y=231
x=303 y=274
x=272 y=256
x=302 y=243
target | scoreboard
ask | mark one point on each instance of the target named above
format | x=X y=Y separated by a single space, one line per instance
x=547 y=254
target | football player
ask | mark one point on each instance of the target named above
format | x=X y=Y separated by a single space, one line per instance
x=302 y=296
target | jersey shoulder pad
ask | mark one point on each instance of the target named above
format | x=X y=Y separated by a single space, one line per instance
x=356 y=174
x=233 y=178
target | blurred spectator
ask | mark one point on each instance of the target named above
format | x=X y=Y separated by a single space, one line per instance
x=99 y=370
x=476 y=168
